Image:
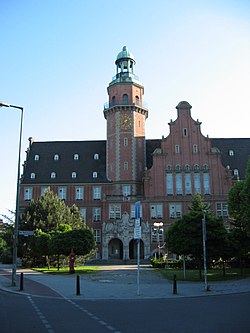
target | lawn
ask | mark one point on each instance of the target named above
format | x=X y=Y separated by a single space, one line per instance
x=212 y=274
x=65 y=270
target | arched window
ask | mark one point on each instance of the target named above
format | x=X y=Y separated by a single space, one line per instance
x=125 y=99
x=236 y=172
x=231 y=152
x=187 y=168
x=53 y=175
x=113 y=101
x=96 y=156
x=196 y=167
x=56 y=157
x=137 y=100
x=76 y=157
x=32 y=175
x=178 y=167
x=73 y=175
x=94 y=174
x=37 y=157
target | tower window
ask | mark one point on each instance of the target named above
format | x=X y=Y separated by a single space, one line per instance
x=125 y=99
x=177 y=149
x=125 y=142
x=125 y=166
x=195 y=149
x=185 y=132
x=113 y=101
x=137 y=100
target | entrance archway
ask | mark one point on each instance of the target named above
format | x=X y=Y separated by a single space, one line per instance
x=115 y=249
x=133 y=249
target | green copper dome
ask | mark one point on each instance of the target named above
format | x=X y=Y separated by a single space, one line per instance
x=124 y=54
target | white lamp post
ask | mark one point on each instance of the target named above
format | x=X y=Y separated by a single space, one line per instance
x=15 y=240
x=158 y=225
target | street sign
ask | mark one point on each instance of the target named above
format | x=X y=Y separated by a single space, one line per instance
x=137 y=233
x=26 y=233
x=137 y=222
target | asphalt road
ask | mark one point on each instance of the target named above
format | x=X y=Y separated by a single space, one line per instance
x=212 y=314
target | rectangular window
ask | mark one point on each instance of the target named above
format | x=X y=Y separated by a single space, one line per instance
x=221 y=209
x=156 y=211
x=96 y=214
x=125 y=142
x=62 y=191
x=178 y=183
x=126 y=190
x=169 y=181
x=195 y=149
x=132 y=211
x=177 y=149
x=44 y=189
x=206 y=183
x=125 y=166
x=97 y=236
x=197 y=183
x=114 y=211
x=188 y=185
x=175 y=211
x=157 y=235
x=79 y=193
x=83 y=212
x=96 y=192
x=27 y=193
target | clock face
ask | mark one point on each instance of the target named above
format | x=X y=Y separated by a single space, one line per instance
x=126 y=122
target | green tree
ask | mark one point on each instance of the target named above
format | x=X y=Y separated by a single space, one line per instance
x=239 y=209
x=48 y=212
x=184 y=237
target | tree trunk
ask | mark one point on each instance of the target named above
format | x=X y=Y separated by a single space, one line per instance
x=48 y=262
x=58 y=263
x=200 y=274
x=224 y=268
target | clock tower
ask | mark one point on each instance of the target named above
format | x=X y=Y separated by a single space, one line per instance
x=126 y=114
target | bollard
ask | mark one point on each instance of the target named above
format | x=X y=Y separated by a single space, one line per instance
x=78 y=285
x=174 y=285
x=21 y=282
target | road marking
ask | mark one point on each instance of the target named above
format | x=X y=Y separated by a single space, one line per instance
x=92 y=316
x=41 y=315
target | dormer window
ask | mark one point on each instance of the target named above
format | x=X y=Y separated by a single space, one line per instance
x=96 y=156
x=37 y=157
x=231 y=152
x=76 y=157
x=236 y=172
x=53 y=175
x=94 y=174
x=56 y=157
x=32 y=175
x=73 y=175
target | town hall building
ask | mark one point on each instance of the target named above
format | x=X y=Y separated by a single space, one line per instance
x=106 y=178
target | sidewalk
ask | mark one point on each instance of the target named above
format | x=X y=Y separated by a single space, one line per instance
x=114 y=282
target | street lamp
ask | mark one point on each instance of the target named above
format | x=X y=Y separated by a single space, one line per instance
x=158 y=226
x=15 y=240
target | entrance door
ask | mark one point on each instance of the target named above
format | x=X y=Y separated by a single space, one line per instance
x=115 y=249
x=133 y=249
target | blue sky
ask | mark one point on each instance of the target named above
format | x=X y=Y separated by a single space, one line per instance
x=57 y=58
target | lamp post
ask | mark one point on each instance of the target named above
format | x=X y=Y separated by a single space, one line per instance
x=158 y=225
x=15 y=240
x=204 y=238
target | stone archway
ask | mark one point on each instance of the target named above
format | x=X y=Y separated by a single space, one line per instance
x=115 y=249
x=133 y=249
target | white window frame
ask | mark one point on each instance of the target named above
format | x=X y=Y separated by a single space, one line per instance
x=178 y=184
x=32 y=175
x=73 y=175
x=175 y=210
x=222 y=209
x=79 y=193
x=83 y=212
x=97 y=236
x=156 y=211
x=94 y=175
x=56 y=157
x=157 y=235
x=76 y=157
x=62 y=192
x=132 y=211
x=188 y=183
x=197 y=182
x=96 y=156
x=27 y=194
x=36 y=157
x=96 y=192
x=53 y=175
x=44 y=189
x=96 y=214
x=169 y=183
x=114 y=211
x=206 y=183
x=126 y=190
